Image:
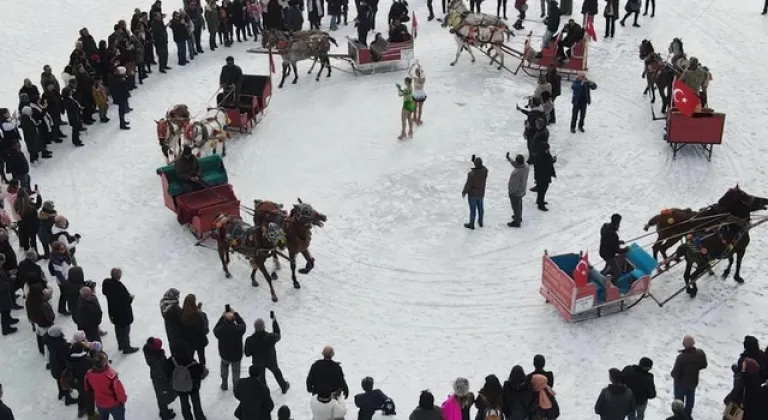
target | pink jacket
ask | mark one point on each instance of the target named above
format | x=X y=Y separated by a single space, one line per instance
x=451 y=408
x=11 y=197
x=255 y=10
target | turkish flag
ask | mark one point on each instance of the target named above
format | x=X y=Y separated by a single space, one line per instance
x=581 y=272
x=684 y=98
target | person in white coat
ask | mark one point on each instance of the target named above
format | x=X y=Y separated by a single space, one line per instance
x=60 y=234
x=327 y=406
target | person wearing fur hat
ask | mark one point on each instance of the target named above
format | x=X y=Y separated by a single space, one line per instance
x=60 y=234
x=639 y=379
x=7 y=302
x=58 y=351
x=119 y=90
x=475 y=189
x=457 y=405
x=155 y=357
x=255 y=401
x=46 y=215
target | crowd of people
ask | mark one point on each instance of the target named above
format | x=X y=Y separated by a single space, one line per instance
x=113 y=68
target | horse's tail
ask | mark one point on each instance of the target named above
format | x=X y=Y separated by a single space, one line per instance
x=654 y=221
x=333 y=40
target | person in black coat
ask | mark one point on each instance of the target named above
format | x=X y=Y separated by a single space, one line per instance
x=539 y=362
x=88 y=314
x=364 y=21
x=399 y=12
x=29 y=272
x=52 y=98
x=260 y=346
x=371 y=400
x=543 y=172
x=197 y=372
x=229 y=330
x=231 y=81
x=7 y=251
x=85 y=94
x=171 y=312
x=58 y=351
x=73 y=109
x=611 y=246
x=159 y=32
x=78 y=364
x=154 y=355
x=31 y=90
x=553 y=23
x=180 y=37
x=28 y=225
x=118 y=88
x=255 y=401
x=194 y=326
x=326 y=375
x=639 y=380
x=7 y=302
x=554 y=79
x=120 y=312
x=16 y=163
x=517 y=395
x=752 y=351
x=89 y=44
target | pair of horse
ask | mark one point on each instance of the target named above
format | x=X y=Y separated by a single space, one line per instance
x=177 y=130
x=298 y=46
x=273 y=231
x=477 y=30
x=717 y=232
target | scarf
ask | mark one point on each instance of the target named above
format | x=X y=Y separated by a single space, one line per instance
x=539 y=383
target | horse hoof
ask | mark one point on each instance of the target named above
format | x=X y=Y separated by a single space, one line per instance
x=303 y=271
x=279 y=86
x=228 y=275
x=739 y=280
x=725 y=275
x=294 y=82
x=296 y=285
x=274 y=298
x=274 y=276
x=453 y=64
x=254 y=284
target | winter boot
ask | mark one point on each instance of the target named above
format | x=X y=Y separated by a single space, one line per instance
x=9 y=330
x=130 y=350
x=68 y=400
x=469 y=226
x=224 y=385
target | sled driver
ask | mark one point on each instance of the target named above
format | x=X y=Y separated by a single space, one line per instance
x=231 y=81
x=611 y=249
x=188 y=170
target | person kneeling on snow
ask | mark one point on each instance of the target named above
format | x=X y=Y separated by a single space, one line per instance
x=611 y=249
x=372 y=400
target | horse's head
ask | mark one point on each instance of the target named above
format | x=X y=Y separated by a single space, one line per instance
x=270 y=38
x=162 y=129
x=740 y=204
x=676 y=46
x=307 y=215
x=276 y=235
x=646 y=48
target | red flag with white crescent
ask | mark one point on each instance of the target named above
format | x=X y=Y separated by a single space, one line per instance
x=684 y=98
x=581 y=272
x=271 y=61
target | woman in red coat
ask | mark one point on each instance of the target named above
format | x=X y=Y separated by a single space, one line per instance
x=108 y=392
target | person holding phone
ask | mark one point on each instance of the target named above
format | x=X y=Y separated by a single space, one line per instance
x=260 y=346
x=229 y=331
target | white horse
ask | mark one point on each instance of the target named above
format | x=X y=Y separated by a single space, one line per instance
x=170 y=130
x=477 y=30
x=208 y=132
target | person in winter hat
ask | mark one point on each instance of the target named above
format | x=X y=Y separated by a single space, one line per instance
x=615 y=401
x=752 y=351
x=58 y=351
x=229 y=331
x=685 y=373
x=475 y=189
x=107 y=389
x=457 y=405
x=372 y=400
x=426 y=410
x=61 y=234
x=154 y=355
x=639 y=380
x=171 y=312
x=284 y=413
x=517 y=187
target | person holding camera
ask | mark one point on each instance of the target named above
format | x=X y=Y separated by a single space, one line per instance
x=260 y=346
x=229 y=330
x=60 y=233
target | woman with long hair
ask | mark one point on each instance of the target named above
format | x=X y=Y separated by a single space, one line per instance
x=26 y=213
x=195 y=325
x=489 y=399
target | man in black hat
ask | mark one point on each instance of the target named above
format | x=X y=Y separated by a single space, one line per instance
x=611 y=249
x=231 y=80
x=188 y=169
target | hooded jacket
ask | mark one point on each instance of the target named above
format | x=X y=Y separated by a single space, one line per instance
x=615 y=402
x=609 y=241
x=108 y=391
x=171 y=311
x=230 y=337
x=475 y=185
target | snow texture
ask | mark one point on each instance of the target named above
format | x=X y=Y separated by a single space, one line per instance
x=402 y=291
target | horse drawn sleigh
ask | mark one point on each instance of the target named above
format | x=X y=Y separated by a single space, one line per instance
x=710 y=235
x=685 y=124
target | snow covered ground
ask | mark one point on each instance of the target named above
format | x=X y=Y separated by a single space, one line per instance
x=402 y=291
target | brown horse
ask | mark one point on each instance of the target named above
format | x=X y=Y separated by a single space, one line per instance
x=232 y=233
x=298 y=231
x=170 y=130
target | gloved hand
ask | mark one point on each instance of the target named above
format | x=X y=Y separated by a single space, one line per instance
x=77 y=236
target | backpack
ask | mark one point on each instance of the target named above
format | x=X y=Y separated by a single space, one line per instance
x=493 y=414
x=181 y=379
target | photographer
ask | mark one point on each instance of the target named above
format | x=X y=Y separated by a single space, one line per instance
x=230 y=331
x=260 y=346
x=60 y=234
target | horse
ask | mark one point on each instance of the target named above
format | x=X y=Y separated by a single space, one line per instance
x=679 y=59
x=659 y=73
x=209 y=131
x=232 y=233
x=298 y=230
x=646 y=49
x=169 y=130
x=298 y=46
x=477 y=29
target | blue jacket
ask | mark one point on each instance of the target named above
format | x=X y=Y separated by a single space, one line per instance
x=581 y=92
